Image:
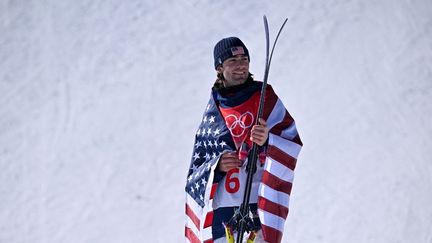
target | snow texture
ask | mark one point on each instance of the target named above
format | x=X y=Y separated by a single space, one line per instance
x=100 y=100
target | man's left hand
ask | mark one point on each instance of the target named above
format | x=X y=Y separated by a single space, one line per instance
x=259 y=133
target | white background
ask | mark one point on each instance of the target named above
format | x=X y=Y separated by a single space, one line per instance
x=100 y=100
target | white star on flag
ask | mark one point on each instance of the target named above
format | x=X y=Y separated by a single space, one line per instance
x=196 y=156
x=209 y=131
x=207 y=156
x=203 y=182
x=222 y=144
x=216 y=132
x=212 y=119
x=198 y=144
x=205 y=119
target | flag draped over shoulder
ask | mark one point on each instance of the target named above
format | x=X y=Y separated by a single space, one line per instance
x=283 y=148
x=212 y=139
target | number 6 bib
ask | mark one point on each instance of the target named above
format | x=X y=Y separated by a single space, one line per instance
x=230 y=189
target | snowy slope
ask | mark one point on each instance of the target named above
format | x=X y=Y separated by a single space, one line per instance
x=99 y=102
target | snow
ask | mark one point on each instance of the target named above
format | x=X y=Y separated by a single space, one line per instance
x=100 y=100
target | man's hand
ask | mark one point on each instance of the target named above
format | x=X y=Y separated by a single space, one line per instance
x=259 y=133
x=228 y=161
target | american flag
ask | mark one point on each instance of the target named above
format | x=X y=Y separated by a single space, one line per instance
x=212 y=139
x=238 y=50
x=283 y=148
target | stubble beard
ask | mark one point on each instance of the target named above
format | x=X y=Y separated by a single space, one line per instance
x=236 y=80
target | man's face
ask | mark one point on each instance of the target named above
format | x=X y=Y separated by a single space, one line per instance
x=235 y=70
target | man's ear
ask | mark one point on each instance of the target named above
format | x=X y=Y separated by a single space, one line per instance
x=219 y=69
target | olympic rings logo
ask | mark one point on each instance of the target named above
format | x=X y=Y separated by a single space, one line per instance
x=239 y=125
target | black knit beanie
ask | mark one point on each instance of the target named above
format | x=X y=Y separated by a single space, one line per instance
x=228 y=47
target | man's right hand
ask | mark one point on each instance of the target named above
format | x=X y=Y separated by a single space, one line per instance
x=229 y=161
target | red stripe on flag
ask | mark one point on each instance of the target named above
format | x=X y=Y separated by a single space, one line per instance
x=297 y=140
x=208 y=220
x=191 y=236
x=213 y=190
x=269 y=101
x=276 y=183
x=192 y=216
x=282 y=125
x=271 y=234
x=209 y=241
x=281 y=157
x=272 y=207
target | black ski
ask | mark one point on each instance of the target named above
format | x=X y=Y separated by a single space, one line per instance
x=241 y=219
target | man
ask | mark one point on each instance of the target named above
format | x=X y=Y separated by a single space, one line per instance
x=217 y=175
